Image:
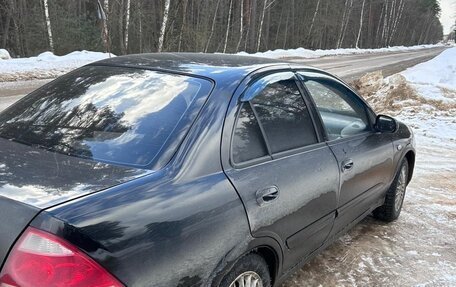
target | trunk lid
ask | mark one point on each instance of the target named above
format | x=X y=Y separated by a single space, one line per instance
x=33 y=179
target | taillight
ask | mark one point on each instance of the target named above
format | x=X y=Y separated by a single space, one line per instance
x=40 y=259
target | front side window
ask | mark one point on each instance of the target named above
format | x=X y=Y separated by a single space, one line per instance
x=279 y=116
x=109 y=114
x=342 y=113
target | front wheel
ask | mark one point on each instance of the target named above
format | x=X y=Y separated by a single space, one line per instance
x=250 y=271
x=394 y=198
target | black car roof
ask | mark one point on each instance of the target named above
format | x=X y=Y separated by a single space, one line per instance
x=214 y=66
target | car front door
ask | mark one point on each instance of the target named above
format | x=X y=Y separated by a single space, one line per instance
x=365 y=157
x=285 y=174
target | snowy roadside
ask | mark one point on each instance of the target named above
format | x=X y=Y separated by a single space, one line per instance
x=419 y=249
x=46 y=65
x=49 y=66
x=423 y=96
x=306 y=53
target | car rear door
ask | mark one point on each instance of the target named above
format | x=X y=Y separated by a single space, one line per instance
x=285 y=174
x=365 y=157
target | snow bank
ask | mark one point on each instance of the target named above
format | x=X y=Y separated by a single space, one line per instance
x=433 y=77
x=306 y=53
x=4 y=55
x=423 y=96
x=46 y=65
x=429 y=86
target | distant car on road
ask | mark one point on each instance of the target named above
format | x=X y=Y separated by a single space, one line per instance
x=189 y=170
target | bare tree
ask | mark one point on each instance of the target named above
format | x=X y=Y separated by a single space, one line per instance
x=385 y=23
x=345 y=21
x=184 y=13
x=212 y=27
x=313 y=18
x=105 y=24
x=397 y=19
x=127 y=24
x=161 y=39
x=228 y=26
x=241 y=26
x=360 y=24
x=263 y=12
x=48 y=25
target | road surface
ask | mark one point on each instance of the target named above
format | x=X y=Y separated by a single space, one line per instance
x=348 y=67
x=10 y=92
x=351 y=67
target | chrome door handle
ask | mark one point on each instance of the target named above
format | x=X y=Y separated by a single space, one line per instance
x=266 y=195
x=347 y=165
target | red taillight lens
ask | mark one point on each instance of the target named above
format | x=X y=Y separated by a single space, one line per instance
x=40 y=259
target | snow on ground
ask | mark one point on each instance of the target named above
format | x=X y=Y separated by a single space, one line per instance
x=306 y=53
x=437 y=74
x=419 y=249
x=4 y=55
x=423 y=96
x=46 y=65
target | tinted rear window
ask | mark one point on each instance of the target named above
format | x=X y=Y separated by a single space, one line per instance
x=248 y=142
x=110 y=114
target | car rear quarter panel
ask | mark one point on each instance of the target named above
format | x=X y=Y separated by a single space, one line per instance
x=156 y=232
x=15 y=217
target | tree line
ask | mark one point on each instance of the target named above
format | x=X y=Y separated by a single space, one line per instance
x=28 y=27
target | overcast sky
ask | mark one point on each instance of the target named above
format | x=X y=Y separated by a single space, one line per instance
x=448 y=14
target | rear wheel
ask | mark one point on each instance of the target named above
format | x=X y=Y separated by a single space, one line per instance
x=394 y=199
x=250 y=271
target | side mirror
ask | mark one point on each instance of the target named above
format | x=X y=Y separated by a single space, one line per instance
x=385 y=124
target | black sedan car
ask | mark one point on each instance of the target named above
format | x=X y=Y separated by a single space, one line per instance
x=189 y=170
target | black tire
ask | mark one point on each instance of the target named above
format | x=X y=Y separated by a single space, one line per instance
x=394 y=198
x=250 y=263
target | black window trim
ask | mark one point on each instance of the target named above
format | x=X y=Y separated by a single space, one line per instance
x=321 y=141
x=368 y=110
x=260 y=124
x=312 y=108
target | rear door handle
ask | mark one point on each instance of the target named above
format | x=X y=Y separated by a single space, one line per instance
x=347 y=165
x=266 y=195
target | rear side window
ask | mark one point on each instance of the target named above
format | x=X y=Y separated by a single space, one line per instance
x=248 y=142
x=109 y=114
x=284 y=116
x=274 y=118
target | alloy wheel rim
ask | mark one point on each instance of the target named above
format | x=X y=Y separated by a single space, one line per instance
x=400 y=189
x=247 y=279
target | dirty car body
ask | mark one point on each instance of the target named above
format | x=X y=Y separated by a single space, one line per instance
x=165 y=169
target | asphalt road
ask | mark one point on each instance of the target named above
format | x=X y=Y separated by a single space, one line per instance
x=10 y=92
x=351 y=67
x=348 y=67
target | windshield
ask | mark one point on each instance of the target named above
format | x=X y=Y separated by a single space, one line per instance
x=111 y=114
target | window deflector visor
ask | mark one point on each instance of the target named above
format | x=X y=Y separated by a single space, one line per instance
x=259 y=84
